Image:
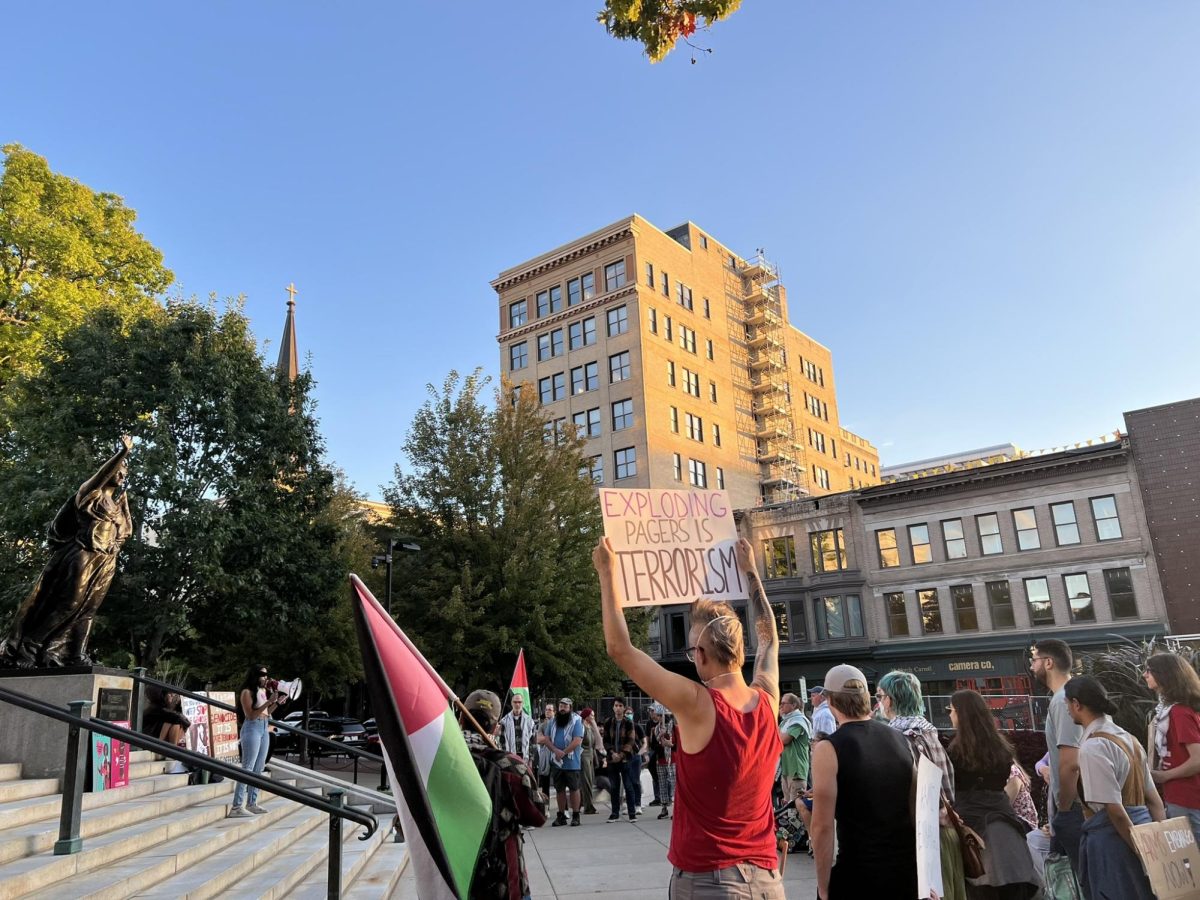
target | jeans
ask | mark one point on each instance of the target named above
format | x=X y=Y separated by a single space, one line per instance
x=1192 y=815
x=254 y=757
x=618 y=774
x=1067 y=827
x=635 y=763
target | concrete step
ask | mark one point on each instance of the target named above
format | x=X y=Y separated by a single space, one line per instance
x=23 y=788
x=259 y=851
x=106 y=870
x=32 y=809
x=355 y=855
x=146 y=768
x=137 y=756
x=37 y=836
x=10 y=771
x=380 y=877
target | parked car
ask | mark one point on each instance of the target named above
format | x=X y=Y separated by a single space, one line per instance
x=340 y=729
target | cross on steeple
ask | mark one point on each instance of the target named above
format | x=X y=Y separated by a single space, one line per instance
x=291 y=289
x=289 y=362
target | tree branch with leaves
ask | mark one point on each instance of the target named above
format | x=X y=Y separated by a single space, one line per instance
x=659 y=24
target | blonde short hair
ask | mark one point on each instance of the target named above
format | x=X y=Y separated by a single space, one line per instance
x=723 y=628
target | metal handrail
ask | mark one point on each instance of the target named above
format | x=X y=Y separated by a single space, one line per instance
x=204 y=698
x=69 y=837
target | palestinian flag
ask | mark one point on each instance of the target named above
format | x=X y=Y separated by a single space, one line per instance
x=520 y=683
x=444 y=808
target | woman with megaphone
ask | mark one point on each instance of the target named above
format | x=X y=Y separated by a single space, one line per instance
x=257 y=701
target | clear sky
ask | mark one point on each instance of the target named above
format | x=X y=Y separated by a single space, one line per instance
x=990 y=212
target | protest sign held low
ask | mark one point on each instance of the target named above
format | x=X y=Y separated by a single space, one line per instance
x=673 y=546
x=1170 y=857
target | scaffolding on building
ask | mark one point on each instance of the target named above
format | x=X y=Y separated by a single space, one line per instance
x=779 y=453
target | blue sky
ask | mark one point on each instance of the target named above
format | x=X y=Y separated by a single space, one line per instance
x=989 y=212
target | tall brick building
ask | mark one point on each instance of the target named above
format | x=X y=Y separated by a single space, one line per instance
x=675 y=357
x=1165 y=442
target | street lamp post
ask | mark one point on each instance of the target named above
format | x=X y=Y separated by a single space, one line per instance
x=404 y=545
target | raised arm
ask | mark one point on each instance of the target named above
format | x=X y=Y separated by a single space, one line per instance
x=678 y=693
x=102 y=477
x=766 y=660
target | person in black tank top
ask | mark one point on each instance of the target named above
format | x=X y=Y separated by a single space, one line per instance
x=870 y=798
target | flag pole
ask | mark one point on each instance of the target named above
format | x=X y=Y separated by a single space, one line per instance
x=466 y=712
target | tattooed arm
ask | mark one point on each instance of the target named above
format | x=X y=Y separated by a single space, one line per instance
x=766 y=660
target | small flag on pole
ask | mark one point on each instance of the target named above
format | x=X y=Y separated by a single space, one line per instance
x=520 y=684
x=444 y=808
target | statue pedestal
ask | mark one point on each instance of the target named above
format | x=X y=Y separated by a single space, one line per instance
x=38 y=742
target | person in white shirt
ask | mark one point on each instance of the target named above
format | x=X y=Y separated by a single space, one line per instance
x=823 y=722
x=1118 y=792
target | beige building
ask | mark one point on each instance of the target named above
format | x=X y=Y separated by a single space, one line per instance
x=675 y=357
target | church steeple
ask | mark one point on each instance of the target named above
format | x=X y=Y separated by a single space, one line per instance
x=289 y=361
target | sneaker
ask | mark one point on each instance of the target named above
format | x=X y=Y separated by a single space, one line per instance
x=633 y=818
x=237 y=812
x=666 y=813
x=654 y=803
x=256 y=809
x=560 y=819
x=575 y=820
x=614 y=817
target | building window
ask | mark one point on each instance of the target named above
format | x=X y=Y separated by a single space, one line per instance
x=517 y=313
x=828 y=550
x=618 y=320
x=652 y=316
x=674 y=417
x=618 y=367
x=518 y=356
x=670 y=373
x=687 y=339
x=1037 y=592
x=553 y=431
x=720 y=478
x=573 y=292
x=963 y=598
x=889 y=552
x=1000 y=602
x=1119 y=584
x=716 y=435
x=543 y=303
x=667 y=333
x=781 y=621
x=838 y=618
x=622 y=415
x=954 y=539
x=1025 y=523
x=614 y=275
x=626 y=462
x=697 y=473
x=918 y=539
x=595 y=470
x=707 y=309
x=666 y=285
x=550 y=344
x=708 y=348
x=556 y=298
x=582 y=333
x=1104 y=511
x=587 y=422
x=990 y=542
x=677 y=466
x=650 y=274
x=703 y=242
x=588 y=281
x=931 y=611
x=816 y=440
x=821 y=476
x=897 y=614
x=560 y=385
x=691 y=383
x=695 y=427
x=585 y=378
x=677 y=632
x=1066 y=526
x=685 y=295
x=1079 y=598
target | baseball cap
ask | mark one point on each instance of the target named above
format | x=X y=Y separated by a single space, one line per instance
x=566 y=701
x=837 y=679
x=484 y=701
x=816 y=689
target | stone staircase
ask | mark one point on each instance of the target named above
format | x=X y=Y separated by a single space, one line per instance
x=158 y=837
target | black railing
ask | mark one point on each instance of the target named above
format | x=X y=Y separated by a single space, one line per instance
x=79 y=723
x=140 y=677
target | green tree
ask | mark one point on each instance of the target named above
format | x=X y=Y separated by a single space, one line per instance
x=506 y=526
x=65 y=251
x=658 y=24
x=238 y=552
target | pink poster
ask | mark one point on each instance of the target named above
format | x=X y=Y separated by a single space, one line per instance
x=118 y=767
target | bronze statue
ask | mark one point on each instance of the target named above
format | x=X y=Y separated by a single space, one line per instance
x=53 y=623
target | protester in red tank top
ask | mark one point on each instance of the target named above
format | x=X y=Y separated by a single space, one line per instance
x=1175 y=735
x=727 y=743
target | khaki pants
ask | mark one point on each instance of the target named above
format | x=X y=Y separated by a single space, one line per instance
x=792 y=788
x=743 y=881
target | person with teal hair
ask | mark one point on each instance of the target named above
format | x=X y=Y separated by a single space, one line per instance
x=901 y=704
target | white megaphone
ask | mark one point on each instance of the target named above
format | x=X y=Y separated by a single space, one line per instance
x=290 y=688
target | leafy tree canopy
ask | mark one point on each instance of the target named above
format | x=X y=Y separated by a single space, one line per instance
x=241 y=539
x=658 y=24
x=65 y=251
x=506 y=526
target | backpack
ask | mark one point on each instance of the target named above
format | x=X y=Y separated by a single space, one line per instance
x=493 y=876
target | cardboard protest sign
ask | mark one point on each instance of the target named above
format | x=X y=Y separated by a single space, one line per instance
x=672 y=546
x=929 y=847
x=196 y=712
x=222 y=727
x=1170 y=857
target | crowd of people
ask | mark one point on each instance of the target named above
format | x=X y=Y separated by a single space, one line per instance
x=727 y=757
